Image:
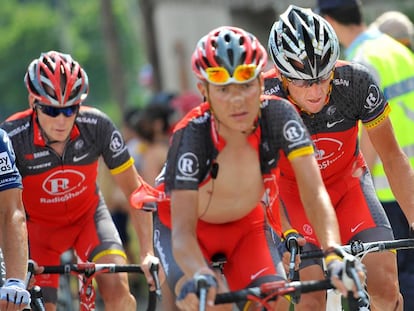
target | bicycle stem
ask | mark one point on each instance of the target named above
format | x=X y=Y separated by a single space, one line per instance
x=202 y=286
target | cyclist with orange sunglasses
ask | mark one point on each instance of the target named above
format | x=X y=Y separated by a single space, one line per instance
x=58 y=142
x=221 y=175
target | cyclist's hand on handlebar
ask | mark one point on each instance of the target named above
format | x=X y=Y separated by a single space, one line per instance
x=13 y=295
x=347 y=273
x=33 y=269
x=147 y=265
x=37 y=269
x=201 y=289
x=291 y=245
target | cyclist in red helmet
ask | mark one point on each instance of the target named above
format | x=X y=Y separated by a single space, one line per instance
x=221 y=175
x=58 y=143
x=333 y=98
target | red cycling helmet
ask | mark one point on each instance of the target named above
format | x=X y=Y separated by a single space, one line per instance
x=228 y=47
x=55 y=79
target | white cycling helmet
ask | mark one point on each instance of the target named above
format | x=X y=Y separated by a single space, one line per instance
x=302 y=44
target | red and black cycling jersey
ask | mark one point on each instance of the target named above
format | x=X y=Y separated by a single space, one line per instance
x=355 y=97
x=195 y=143
x=59 y=190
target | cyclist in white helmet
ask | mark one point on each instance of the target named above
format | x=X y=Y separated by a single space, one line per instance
x=333 y=97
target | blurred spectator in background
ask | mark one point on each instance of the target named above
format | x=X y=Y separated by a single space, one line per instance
x=154 y=128
x=392 y=64
x=146 y=132
x=129 y=132
x=117 y=203
x=161 y=98
x=184 y=102
x=398 y=26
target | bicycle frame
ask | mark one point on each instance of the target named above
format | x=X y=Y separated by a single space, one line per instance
x=87 y=271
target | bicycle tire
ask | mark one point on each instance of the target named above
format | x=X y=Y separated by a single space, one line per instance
x=152 y=301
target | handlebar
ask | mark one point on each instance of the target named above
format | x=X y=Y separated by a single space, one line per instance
x=272 y=290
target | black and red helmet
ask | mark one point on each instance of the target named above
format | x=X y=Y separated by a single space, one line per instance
x=55 y=79
x=228 y=47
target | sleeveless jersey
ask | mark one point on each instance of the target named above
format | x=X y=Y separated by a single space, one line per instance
x=355 y=97
x=60 y=190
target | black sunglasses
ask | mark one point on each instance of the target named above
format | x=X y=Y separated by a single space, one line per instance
x=308 y=82
x=54 y=111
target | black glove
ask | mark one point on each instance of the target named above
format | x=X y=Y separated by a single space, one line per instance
x=289 y=242
x=193 y=285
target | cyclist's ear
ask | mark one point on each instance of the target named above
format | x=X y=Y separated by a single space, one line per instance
x=31 y=101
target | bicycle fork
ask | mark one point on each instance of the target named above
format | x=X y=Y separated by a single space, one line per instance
x=87 y=294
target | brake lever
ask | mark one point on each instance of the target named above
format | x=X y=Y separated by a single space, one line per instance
x=352 y=273
x=154 y=269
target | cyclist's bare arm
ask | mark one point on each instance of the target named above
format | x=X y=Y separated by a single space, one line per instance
x=184 y=215
x=129 y=181
x=186 y=250
x=367 y=149
x=13 y=233
x=396 y=166
x=316 y=200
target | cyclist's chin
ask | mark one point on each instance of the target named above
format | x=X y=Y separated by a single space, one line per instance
x=313 y=107
x=59 y=137
x=245 y=128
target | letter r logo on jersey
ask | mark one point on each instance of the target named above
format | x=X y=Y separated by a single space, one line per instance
x=58 y=184
x=188 y=164
x=293 y=131
x=63 y=181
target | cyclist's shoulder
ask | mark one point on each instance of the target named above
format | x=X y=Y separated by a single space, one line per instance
x=16 y=120
x=276 y=108
x=95 y=120
x=19 y=125
x=351 y=78
x=91 y=112
x=198 y=117
x=4 y=141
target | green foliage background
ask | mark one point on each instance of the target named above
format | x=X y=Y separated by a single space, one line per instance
x=30 y=27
